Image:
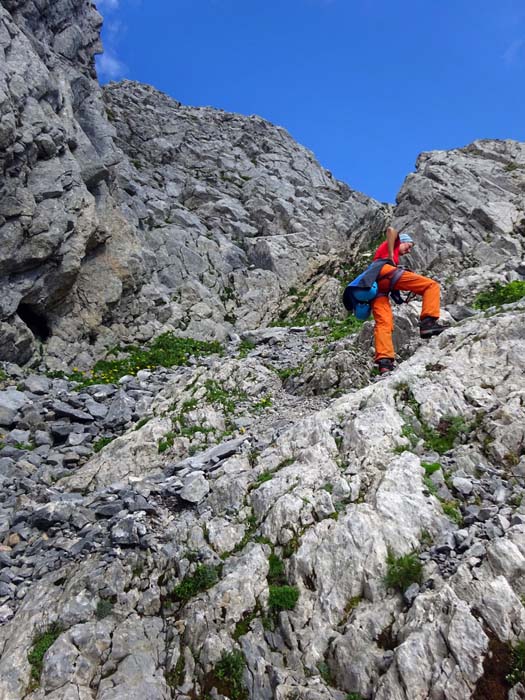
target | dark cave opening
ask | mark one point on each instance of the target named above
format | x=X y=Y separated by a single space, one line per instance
x=35 y=321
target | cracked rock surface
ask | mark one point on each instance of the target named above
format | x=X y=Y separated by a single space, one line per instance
x=102 y=552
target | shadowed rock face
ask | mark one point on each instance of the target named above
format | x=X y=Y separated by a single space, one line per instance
x=58 y=226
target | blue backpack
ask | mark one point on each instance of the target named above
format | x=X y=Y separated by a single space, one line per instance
x=359 y=293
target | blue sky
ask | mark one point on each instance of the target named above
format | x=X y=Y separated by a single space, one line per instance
x=365 y=84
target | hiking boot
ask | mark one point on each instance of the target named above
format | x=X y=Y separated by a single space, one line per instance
x=430 y=326
x=385 y=365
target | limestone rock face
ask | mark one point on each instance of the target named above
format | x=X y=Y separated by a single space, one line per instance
x=466 y=210
x=174 y=547
x=232 y=212
x=60 y=232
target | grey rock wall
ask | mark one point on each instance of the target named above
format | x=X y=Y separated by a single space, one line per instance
x=96 y=546
x=231 y=211
x=200 y=223
x=466 y=209
x=60 y=232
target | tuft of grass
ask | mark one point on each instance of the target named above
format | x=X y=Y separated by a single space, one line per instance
x=28 y=446
x=265 y=476
x=101 y=443
x=288 y=372
x=276 y=572
x=245 y=348
x=517 y=671
x=430 y=485
x=203 y=577
x=142 y=422
x=243 y=626
x=166 y=350
x=103 y=609
x=403 y=571
x=283 y=598
x=449 y=429
x=325 y=673
x=291 y=547
x=430 y=467
x=265 y=402
x=452 y=511
x=342 y=329
x=350 y=606
x=216 y=393
x=499 y=294
x=229 y=670
x=166 y=442
x=41 y=643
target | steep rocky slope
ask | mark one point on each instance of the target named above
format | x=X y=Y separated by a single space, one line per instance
x=174 y=555
x=125 y=214
x=231 y=211
x=260 y=521
x=211 y=212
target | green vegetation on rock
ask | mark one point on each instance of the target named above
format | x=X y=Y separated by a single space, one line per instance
x=203 y=577
x=276 y=573
x=229 y=672
x=517 y=671
x=103 y=609
x=452 y=511
x=403 y=571
x=283 y=598
x=499 y=294
x=41 y=643
x=101 y=443
x=166 y=350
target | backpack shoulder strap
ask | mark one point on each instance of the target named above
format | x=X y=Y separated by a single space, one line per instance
x=393 y=278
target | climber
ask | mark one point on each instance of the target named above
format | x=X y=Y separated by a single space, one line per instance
x=390 y=250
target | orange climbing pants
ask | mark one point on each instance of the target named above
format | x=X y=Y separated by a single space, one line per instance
x=382 y=311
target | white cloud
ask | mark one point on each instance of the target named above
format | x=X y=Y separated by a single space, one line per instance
x=110 y=67
x=512 y=54
x=107 y=4
x=114 y=29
